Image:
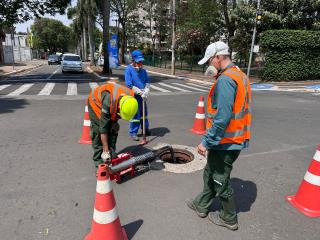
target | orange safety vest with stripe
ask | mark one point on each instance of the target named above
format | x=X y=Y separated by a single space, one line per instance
x=115 y=90
x=238 y=130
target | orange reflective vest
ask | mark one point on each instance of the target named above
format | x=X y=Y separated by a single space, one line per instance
x=238 y=129
x=115 y=90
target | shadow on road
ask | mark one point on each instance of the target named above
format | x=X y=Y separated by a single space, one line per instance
x=140 y=169
x=245 y=193
x=132 y=228
x=9 y=105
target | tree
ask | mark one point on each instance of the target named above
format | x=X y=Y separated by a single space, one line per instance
x=17 y=11
x=106 y=19
x=51 y=34
x=123 y=9
x=197 y=23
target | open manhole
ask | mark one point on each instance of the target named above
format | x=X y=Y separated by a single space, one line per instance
x=179 y=156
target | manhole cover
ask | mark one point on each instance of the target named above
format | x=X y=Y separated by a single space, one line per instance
x=180 y=156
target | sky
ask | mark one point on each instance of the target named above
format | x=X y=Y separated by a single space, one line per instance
x=63 y=18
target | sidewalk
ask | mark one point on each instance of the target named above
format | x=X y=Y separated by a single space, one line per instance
x=8 y=69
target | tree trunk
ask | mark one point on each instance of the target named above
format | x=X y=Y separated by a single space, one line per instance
x=91 y=40
x=123 y=42
x=106 y=18
x=84 y=42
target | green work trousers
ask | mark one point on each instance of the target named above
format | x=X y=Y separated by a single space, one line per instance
x=216 y=179
x=97 y=144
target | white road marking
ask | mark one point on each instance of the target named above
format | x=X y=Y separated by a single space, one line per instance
x=194 y=88
x=4 y=86
x=21 y=89
x=53 y=73
x=47 y=89
x=72 y=89
x=159 y=89
x=200 y=85
x=93 y=85
x=176 y=88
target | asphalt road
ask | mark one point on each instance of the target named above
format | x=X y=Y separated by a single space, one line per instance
x=49 y=81
x=47 y=179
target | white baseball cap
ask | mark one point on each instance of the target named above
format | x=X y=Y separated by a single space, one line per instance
x=214 y=49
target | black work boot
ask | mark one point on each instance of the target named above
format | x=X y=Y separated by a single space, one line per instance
x=216 y=219
x=192 y=206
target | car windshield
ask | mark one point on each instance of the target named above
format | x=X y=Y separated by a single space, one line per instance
x=53 y=56
x=71 y=58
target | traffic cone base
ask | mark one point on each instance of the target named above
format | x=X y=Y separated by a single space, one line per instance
x=199 y=125
x=85 y=137
x=307 y=197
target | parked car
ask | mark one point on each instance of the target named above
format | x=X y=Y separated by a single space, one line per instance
x=71 y=62
x=53 y=59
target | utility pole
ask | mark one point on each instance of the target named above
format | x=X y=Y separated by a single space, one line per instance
x=173 y=60
x=257 y=21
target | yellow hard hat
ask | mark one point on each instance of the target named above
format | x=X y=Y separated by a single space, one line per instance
x=128 y=107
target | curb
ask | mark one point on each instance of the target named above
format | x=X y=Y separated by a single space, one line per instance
x=99 y=76
x=5 y=75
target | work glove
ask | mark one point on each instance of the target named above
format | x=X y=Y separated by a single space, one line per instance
x=146 y=91
x=137 y=91
x=106 y=157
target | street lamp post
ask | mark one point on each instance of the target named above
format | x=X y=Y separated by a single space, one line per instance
x=173 y=60
x=257 y=20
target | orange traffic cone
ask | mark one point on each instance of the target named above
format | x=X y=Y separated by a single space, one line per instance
x=307 y=198
x=106 y=223
x=85 y=138
x=199 y=125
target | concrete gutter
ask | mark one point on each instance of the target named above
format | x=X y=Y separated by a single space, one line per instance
x=99 y=76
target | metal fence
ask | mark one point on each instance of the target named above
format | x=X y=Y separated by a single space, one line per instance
x=190 y=63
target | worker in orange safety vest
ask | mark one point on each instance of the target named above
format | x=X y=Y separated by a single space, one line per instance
x=228 y=132
x=107 y=104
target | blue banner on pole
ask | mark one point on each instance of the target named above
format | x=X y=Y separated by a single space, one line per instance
x=113 y=51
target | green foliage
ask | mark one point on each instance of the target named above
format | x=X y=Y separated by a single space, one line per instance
x=17 y=11
x=197 y=22
x=51 y=34
x=291 y=55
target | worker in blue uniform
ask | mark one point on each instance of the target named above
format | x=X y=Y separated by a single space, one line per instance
x=137 y=79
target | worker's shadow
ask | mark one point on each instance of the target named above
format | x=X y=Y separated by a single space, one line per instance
x=245 y=193
x=132 y=228
x=137 y=150
x=157 y=133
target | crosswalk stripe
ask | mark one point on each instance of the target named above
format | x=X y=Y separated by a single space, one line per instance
x=159 y=88
x=194 y=88
x=176 y=88
x=72 y=89
x=4 y=86
x=93 y=85
x=200 y=85
x=47 y=89
x=21 y=89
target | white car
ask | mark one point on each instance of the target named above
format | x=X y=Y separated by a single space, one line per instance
x=71 y=62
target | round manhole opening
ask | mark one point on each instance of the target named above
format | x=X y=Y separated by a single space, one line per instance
x=180 y=156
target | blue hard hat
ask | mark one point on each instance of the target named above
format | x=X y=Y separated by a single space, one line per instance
x=137 y=56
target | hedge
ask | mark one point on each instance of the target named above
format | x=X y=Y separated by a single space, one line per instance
x=291 y=55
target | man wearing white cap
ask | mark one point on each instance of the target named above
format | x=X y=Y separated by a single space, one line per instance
x=228 y=132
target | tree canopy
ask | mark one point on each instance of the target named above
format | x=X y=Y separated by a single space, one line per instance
x=17 y=11
x=51 y=34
